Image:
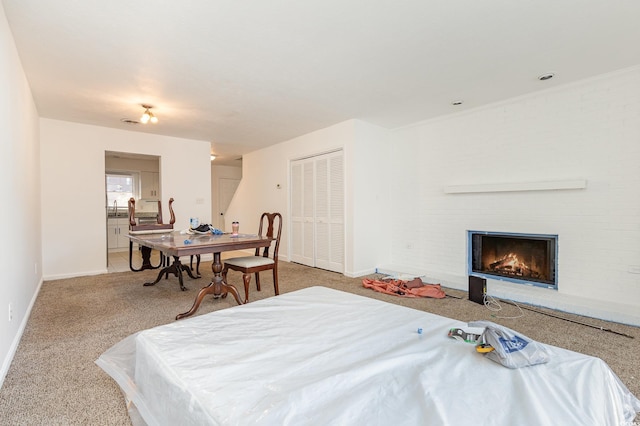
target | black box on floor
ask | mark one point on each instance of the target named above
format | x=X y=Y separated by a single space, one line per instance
x=477 y=289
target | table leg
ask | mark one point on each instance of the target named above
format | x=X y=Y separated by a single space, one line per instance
x=176 y=269
x=217 y=287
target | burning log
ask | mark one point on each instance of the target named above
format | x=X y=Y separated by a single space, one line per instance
x=511 y=265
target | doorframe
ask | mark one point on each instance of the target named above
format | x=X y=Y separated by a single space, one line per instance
x=344 y=204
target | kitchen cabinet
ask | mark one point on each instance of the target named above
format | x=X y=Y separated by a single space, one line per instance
x=117 y=231
x=150 y=185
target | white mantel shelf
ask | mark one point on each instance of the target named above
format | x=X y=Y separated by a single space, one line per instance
x=552 y=185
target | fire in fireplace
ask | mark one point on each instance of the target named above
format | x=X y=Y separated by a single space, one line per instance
x=522 y=258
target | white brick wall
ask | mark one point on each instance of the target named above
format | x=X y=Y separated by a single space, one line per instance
x=589 y=130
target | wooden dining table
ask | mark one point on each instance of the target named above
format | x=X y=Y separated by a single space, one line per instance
x=177 y=244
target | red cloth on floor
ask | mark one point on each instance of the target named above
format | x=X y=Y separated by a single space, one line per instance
x=404 y=288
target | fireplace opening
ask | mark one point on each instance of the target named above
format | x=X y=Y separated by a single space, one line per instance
x=521 y=258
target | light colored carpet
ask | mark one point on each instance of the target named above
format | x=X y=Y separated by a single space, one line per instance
x=53 y=379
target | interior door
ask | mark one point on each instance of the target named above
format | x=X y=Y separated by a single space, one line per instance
x=302 y=212
x=226 y=189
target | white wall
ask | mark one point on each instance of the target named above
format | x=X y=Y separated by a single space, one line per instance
x=589 y=130
x=369 y=213
x=399 y=218
x=73 y=192
x=363 y=146
x=21 y=260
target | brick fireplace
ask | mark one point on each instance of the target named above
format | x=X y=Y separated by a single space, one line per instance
x=520 y=258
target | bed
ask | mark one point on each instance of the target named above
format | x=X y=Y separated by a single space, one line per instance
x=319 y=356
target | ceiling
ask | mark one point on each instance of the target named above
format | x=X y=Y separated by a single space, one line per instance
x=244 y=75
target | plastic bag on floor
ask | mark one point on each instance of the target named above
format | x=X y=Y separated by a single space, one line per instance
x=511 y=349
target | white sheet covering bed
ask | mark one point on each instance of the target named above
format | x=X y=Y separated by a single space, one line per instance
x=323 y=357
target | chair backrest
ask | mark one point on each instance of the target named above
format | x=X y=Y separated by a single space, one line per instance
x=135 y=226
x=274 y=230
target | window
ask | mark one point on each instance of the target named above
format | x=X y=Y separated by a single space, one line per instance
x=120 y=187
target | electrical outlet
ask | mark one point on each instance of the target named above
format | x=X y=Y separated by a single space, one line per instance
x=36 y=268
x=199 y=200
x=10 y=313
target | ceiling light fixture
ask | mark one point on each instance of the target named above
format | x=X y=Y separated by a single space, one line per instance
x=547 y=76
x=213 y=157
x=148 y=116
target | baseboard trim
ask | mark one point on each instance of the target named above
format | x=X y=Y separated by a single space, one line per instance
x=74 y=275
x=530 y=295
x=6 y=364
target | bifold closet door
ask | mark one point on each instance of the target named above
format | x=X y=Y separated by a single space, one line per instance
x=302 y=212
x=317 y=201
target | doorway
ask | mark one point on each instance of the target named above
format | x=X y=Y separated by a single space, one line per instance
x=226 y=189
x=127 y=175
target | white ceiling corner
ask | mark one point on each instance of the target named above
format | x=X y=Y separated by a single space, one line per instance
x=244 y=75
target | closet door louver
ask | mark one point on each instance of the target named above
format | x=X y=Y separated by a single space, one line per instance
x=322 y=234
x=301 y=209
x=317 y=206
x=307 y=209
x=336 y=213
x=296 y=213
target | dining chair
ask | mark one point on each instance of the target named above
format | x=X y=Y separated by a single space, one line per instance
x=151 y=225
x=154 y=225
x=259 y=262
